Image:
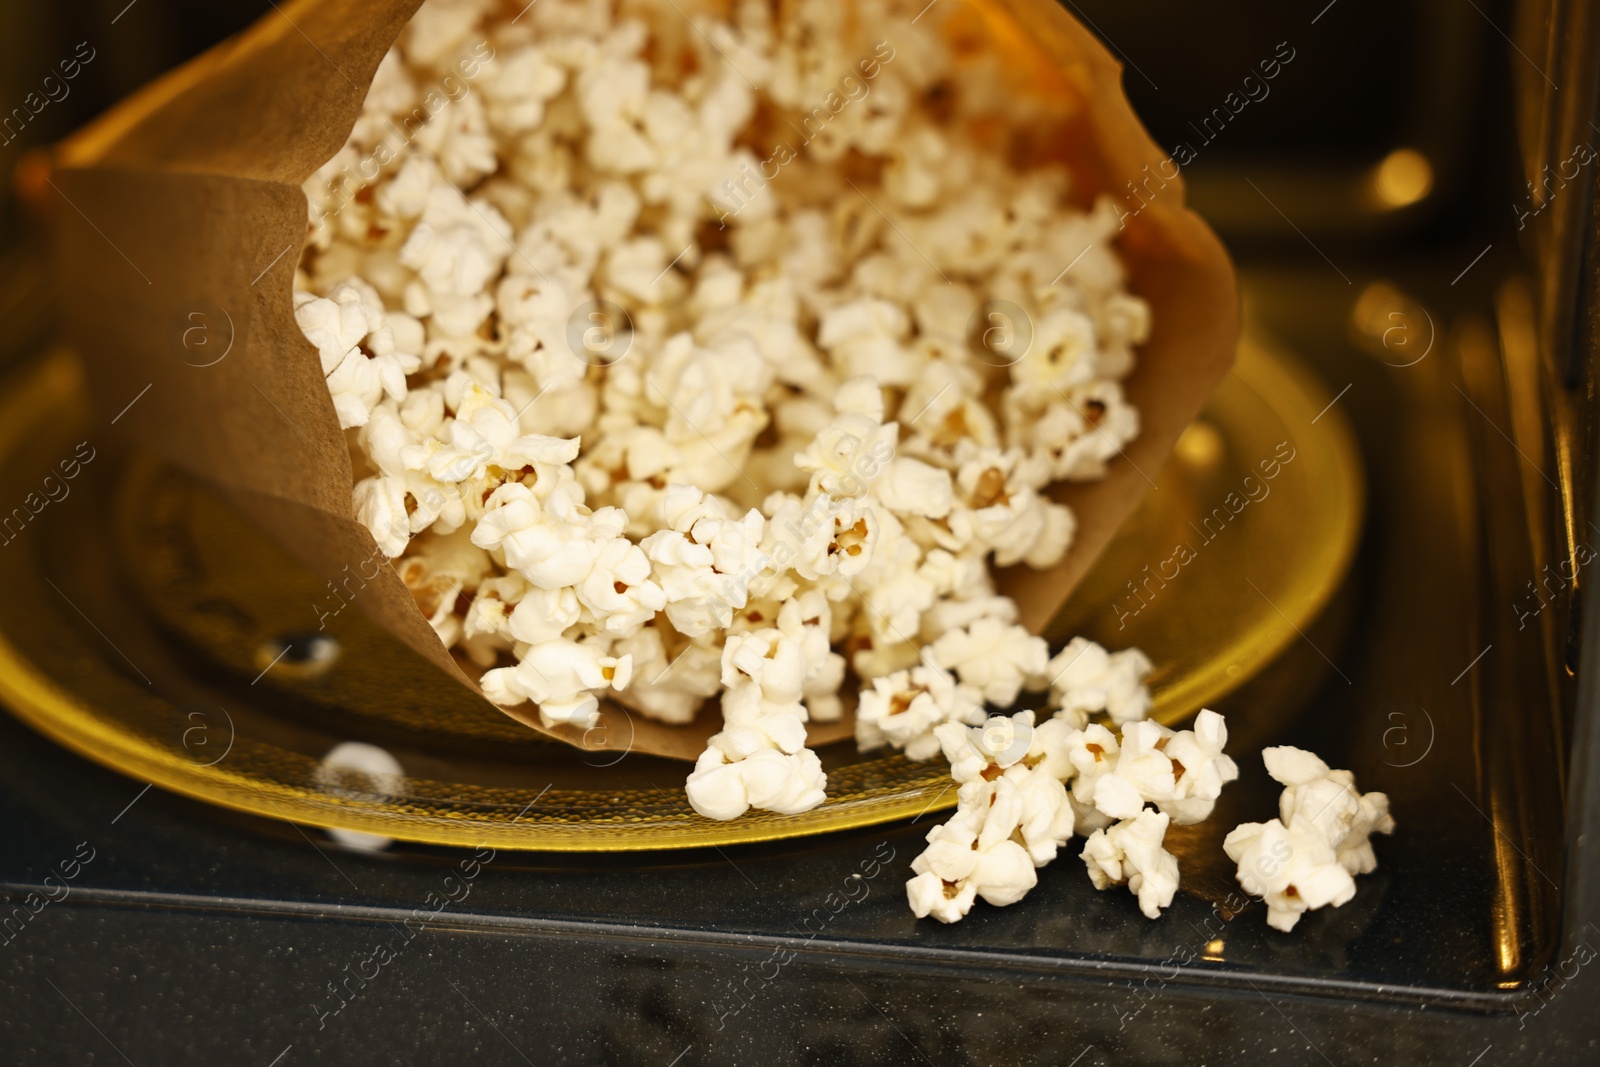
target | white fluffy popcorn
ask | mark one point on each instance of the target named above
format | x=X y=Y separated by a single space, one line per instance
x=973 y=855
x=1200 y=769
x=759 y=759
x=1293 y=870
x=1327 y=800
x=1085 y=678
x=983 y=752
x=905 y=708
x=1034 y=786
x=560 y=676
x=1181 y=773
x=725 y=785
x=1308 y=857
x=1130 y=853
x=994 y=657
x=1092 y=753
x=362 y=357
x=657 y=409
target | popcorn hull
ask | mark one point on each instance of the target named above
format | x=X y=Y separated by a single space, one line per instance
x=185 y=218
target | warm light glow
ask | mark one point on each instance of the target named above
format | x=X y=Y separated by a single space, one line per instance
x=1404 y=177
x=1371 y=309
x=1200 y=445
x=1214 y=950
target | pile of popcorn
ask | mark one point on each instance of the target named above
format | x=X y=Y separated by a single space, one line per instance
x=652 y=328
x=1024 y=790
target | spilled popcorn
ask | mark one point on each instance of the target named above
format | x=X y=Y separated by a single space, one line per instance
x=1308 y=857
x=652 y=330
x=1026 y=789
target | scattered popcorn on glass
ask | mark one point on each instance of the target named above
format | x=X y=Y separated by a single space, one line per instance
x=1307 y=857
x=1034 y=786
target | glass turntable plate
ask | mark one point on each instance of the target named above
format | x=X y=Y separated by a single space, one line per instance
x=144 y=624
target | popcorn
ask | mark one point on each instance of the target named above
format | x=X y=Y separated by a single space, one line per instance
x=1085 y=678
x=725 y=787
x=519 y=86
x=963 y=861
x=947 y=901
x=1048 y=749
x=705 y=558
x=996 y=658
x=759 y=759
x=1140 y=771
x=360 y=358
x=405 y=196
x=1093 y=753
x=1182 y=774
x=456 y=249
x=552 y=544
x=1308 y=857
x=381 y=505
x=1130 y=853
x=1078 y=431
x=458 y=137
x=822 y=536
x=1200 y=769
x=916 y=488
x=1062 y=354
x=617 y=591
x=669 y=687
x=438 y=30
x=650 y=409
x=985 y=751
x=894 y=592
x=850 y=451
x=1327 y=800
x=486 y=626
x=865 y=337
x=1047 y=821
x=904 y=708
x=807 y=621
x=1035 y=786
x=1294 y=870
x=335 y=326
x=561 y=677
x=443 y=568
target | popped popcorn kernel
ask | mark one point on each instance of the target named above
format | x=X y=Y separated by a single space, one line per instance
x=1308 y=857
x=1130 y=853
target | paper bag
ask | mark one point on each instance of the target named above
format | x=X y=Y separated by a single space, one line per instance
x=183 y=219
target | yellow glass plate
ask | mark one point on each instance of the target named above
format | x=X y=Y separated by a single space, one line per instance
x=140 y=619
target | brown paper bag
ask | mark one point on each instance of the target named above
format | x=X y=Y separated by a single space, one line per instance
x=184 y=219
